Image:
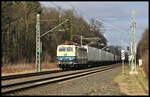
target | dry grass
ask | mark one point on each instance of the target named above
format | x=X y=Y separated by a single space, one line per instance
x=132 y=84
x=26 y=68
x=49 y=66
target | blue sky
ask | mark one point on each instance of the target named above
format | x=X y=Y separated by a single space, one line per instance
x=116 y=17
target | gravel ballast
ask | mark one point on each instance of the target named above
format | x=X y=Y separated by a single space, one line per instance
x=96 y=84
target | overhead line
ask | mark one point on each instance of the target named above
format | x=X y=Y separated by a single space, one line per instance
x=81 y=12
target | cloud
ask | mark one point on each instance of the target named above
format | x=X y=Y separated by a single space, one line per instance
x=104 y=9
x=117 y=14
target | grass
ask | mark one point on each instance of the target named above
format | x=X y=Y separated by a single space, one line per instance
x=132 y=84
x=26 y=68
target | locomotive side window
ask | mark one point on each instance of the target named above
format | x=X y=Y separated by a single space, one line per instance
x=82 y=52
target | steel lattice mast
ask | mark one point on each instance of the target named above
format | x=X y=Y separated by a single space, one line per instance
x=38 y=41
x=133 y=45
x=38 y=66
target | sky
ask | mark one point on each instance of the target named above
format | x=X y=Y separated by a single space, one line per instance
x=116 y=17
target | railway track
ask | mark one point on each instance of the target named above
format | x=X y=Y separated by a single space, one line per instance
x=32 y=83
x=29 y=74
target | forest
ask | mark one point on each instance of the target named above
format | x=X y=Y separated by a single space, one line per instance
x=143 y=51
x=18 y=24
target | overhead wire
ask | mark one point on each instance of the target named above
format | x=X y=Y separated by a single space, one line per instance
x=114 y=27
x=107 y=23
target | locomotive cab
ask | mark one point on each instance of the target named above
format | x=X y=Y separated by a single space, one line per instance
x=71 y=56
x=66 y=55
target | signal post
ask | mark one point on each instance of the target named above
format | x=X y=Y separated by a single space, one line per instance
x=123 y=58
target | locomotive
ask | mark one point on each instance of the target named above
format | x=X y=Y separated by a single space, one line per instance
x=70 y=56
x=74 y=56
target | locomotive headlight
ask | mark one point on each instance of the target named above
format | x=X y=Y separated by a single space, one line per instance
x=70 y=59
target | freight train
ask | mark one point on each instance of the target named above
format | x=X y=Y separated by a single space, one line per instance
x=73 y=56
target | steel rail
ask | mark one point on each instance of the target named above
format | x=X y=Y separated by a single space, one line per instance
x=34 y=83
x=43 y=79
x=29 y=74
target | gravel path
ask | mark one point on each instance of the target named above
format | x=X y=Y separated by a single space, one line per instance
x=95 y=84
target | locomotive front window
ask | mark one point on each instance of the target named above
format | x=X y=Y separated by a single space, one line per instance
x=62 y=49
x=69 y=49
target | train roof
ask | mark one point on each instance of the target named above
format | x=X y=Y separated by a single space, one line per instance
x=65 y=45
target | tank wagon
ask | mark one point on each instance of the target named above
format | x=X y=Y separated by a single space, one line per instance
x=72 y=56
x=100 y=56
